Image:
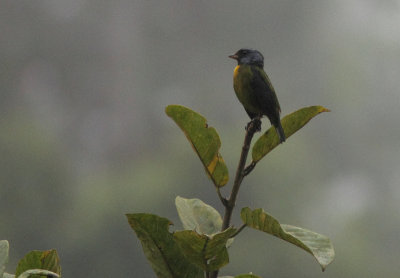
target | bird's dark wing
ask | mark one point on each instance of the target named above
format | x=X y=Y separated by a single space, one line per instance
x=265 y=94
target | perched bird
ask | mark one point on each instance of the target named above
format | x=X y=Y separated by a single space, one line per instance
x=254 y=89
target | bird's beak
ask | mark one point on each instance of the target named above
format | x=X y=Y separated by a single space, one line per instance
x=234 y=57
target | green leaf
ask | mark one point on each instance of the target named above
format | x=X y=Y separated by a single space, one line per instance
x=161 y=250
x=204 y=139
x=207 y=252
x=4 y=247
x=38 y=272
x=290 y=123
x=317 y=245
x=197 y=215
x=44 y=260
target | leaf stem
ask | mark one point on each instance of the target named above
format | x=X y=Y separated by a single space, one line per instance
x=239 y=230
x=249 y=168
x=224 y=201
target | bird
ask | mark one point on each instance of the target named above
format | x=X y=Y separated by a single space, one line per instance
x=254 y=89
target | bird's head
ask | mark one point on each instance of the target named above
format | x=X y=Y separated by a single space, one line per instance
x=246 y=56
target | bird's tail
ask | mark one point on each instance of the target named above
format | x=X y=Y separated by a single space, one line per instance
x=281 y=133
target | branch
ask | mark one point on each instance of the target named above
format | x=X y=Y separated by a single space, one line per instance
x=251 y=128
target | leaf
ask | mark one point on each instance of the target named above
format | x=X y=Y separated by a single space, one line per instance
x=197 y=215
x=317 y=245
x=4 y=247
x=39 y=272
x=204 y=139
x=207 y=252
x=44 y=260
x=159 y=246
x=290 y=123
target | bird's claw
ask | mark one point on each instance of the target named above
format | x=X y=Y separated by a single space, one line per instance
x=254 y=124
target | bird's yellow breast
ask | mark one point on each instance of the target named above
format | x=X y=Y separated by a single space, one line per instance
x=236 y=71
x=242 y=78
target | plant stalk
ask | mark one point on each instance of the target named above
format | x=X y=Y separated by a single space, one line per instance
x=252 y=127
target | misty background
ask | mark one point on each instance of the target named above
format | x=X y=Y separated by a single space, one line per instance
x=84 y=137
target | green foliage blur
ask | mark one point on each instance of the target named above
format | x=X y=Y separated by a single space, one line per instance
x=84 y=138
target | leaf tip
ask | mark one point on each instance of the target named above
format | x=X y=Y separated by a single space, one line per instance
x=168 y=110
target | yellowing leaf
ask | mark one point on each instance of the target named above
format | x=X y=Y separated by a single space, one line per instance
x=317 y=245
x=290 y=123
x=204 y=140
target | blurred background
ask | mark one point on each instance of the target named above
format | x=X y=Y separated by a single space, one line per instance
x=84 y=138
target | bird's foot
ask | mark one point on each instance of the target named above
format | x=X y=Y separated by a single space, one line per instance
x=254 y=124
